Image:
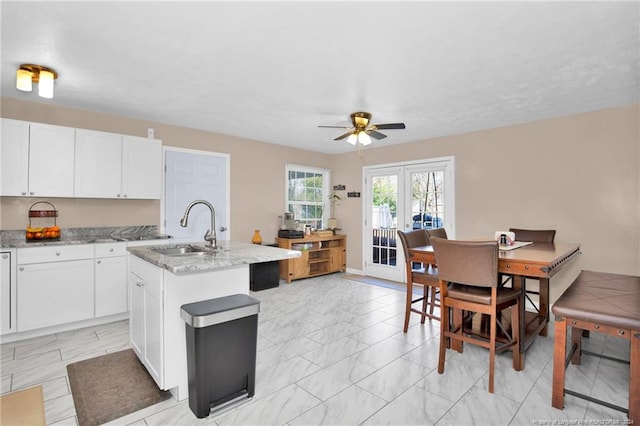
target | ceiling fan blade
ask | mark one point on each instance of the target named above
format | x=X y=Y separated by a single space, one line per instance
x=376 y=135
x=388 y=126
x=339 y=138
x=337 y=127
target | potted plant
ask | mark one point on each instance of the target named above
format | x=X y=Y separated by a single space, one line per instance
x=332 y=223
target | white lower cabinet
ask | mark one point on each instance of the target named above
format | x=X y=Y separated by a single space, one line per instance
x=7 y=291
x=146 y=316
x=54 y=293
x=111 y=279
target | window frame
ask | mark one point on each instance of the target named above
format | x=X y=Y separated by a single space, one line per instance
x=324 y=203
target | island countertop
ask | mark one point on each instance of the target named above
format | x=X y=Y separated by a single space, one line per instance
x=231 y=254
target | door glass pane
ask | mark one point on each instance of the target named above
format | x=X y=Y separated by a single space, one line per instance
x=384 y=219
x=427 y=200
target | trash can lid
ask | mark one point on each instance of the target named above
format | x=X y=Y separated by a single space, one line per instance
x=219 y=310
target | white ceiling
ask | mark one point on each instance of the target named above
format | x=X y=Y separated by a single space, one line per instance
x=274 y=71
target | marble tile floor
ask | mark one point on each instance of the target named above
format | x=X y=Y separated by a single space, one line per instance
x=331 y=351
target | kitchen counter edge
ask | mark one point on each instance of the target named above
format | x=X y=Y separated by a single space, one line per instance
x=231 y=254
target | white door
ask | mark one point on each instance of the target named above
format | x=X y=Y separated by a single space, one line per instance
x=196 y=175
x=416 y=195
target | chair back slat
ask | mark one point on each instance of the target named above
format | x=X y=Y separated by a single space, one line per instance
x=411 y=239
x=437 y=232
x=467 y=262
x=534 y=235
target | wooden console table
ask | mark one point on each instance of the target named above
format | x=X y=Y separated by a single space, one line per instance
x=320 y=255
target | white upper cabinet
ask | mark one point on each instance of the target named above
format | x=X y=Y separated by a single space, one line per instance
x=14 y=158
x=37 y=159
x=141 y=167
x=110 y=165
x=98 y=164
x=42 y=160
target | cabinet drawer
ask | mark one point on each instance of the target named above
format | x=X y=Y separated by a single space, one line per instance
x=111 y=249
x=54 y=253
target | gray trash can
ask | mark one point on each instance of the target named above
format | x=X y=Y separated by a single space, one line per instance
x=221 y=339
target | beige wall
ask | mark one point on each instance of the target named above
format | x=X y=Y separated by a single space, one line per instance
x=578 y=174
x=257 y=174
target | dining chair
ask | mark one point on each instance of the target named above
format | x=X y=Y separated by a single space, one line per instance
x=421 y=274
x=536 y=236
x=437 y=232
x=468 y=273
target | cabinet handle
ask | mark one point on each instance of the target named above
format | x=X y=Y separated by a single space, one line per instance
x=5 y=256
x=118 y=195
x=24 y=192
x=57 y=253
x=99 y=262
x=125 y=195
x=140 y=284
x=111 y=250
x=31 y=193
x=21 y=268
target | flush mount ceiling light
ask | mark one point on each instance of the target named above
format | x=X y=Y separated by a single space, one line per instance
x=28 y=74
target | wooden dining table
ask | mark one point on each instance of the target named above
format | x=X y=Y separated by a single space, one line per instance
x=538 y=260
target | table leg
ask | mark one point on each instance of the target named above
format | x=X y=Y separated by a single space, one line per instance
x=559 y=355
x=520 y=283
x=544 y=303
x=634 y=378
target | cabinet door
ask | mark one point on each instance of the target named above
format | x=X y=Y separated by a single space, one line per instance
x=54 y=293
x=98 y=164
x=14 y=158
x=51 y=160
x=337 y=259
x=111 y=285
x=136 y=314
x=7 y=306
x=299 y=267
x=142 y=167
x=153 y=353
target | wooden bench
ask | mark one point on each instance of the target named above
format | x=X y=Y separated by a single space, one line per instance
x=603 y=303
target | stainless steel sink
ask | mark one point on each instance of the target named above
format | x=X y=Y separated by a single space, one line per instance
x=188 y=250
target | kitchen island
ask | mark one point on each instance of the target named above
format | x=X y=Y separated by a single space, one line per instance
x=159 y=284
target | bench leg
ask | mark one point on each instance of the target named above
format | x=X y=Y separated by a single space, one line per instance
x=559 y=355
x=634 y=378
x=576 y=341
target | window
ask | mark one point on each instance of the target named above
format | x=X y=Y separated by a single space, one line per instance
x=308 y=195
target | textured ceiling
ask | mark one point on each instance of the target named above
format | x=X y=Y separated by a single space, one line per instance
x=274 y=71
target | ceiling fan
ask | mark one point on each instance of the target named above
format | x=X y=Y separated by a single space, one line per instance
x=362 y=131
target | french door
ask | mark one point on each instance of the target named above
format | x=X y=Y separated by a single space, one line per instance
x=407 y=196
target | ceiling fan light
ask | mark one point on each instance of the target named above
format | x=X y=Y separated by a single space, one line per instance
x=45 y=84
x=23 y=80
x=364 y=138
x=352 y=139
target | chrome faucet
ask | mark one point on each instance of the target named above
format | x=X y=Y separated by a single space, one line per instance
x=210 y=235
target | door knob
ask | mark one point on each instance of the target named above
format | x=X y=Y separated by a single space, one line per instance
x=223 y=228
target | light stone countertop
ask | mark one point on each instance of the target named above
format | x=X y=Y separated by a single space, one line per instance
x=231 y=254
x=73 y=236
